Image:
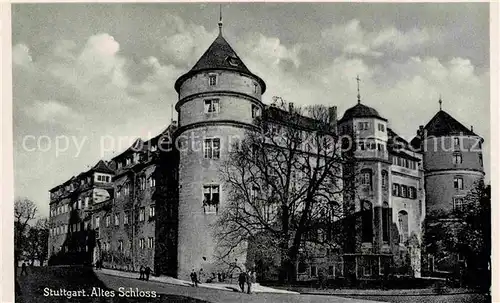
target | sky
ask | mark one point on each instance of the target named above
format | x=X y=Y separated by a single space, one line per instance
x=88 y=79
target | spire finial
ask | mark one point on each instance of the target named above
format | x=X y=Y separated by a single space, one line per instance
x=220 y=19
x=359 y=95
x=440 y=103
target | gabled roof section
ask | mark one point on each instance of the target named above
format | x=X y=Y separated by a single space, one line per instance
x=274 y=114
x=101 y=167
x=443 y=124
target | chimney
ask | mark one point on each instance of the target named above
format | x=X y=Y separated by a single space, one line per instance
x=472 y=128
x=420 y=131
x=332 y=117
x=290 y=107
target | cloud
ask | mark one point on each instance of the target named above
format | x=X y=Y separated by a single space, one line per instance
x=54 y=112
x=21 y=55
x=352 y=38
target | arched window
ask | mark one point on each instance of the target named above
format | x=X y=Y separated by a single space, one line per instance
x=366 y=177
x=403 y=226
x=366 y=222
x=385 y=222
x=385 y=179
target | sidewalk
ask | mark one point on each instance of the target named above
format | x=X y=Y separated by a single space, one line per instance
x=256 y=287
x=381 y=292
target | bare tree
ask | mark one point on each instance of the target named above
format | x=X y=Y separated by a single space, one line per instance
x=25 y=210
x=285 y=184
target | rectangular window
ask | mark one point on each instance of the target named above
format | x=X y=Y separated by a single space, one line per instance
x=458 y=203
x=457 y=158
x=395 y=189
x=255 y=88
x=364 y=125
x=381 y=127
x=108 y=220
x=120 y=245
x=117 y=219
x=79 y=203
x=126 y=217
x=141 y=243
x=404 y=191
x=458 y=183
x=150 y=242
x=211 y=198
x=456 y=141
x=211 y=106
x=211 y=148
x=314 y=271
x=97 y=222
x=87 y=202
x=152 y=182
x=255 y=111
x=212 y=80
x=141 y=214
x=152 y=211
x=362 y=145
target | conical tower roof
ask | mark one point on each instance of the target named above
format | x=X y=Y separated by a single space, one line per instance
x=443 y=124
x=219 y=56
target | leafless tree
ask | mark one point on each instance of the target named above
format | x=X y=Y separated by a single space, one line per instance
x=25 y=210
x=285 y=186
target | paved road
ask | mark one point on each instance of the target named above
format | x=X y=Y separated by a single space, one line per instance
x=213 y=295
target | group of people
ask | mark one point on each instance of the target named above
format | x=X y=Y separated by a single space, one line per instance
x=246 y=278
x=144 y=273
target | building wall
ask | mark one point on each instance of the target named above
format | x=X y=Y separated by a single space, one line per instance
x=440 y=169
x=196 y=238
x=236 y=93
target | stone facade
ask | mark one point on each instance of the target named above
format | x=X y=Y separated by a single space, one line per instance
x=155 y=206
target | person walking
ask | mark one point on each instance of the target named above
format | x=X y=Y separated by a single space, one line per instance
x=24 y=270
x=147 y=271
x=242 y=279
x=141 y=273
x=194 y=278
x=250 y=279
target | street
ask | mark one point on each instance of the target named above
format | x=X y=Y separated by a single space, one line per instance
x=33 y=285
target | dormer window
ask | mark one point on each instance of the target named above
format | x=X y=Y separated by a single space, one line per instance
x=233 y=61
x=255 y=87
x=212 y=80
x=128 y=161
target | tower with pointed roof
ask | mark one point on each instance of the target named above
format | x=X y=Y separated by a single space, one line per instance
x=453 y=161
x=453 y=164
x=218 y=100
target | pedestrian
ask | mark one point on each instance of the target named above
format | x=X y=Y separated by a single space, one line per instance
x=242 y=278
x=147 y=271
x=219 y=278
x=141 y=272
x=24 y=270
x=201 y=274
x=321 y=279
x=250 y=280
x=194 y=278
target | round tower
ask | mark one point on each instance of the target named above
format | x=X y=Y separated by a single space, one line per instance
x=453 y=162
x=218 y=101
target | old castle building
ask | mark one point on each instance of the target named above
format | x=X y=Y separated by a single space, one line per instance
x=153 y=205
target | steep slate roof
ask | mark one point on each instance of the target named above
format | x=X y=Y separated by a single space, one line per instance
x=219 y=55
x=361 y=111
x=442 y=124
